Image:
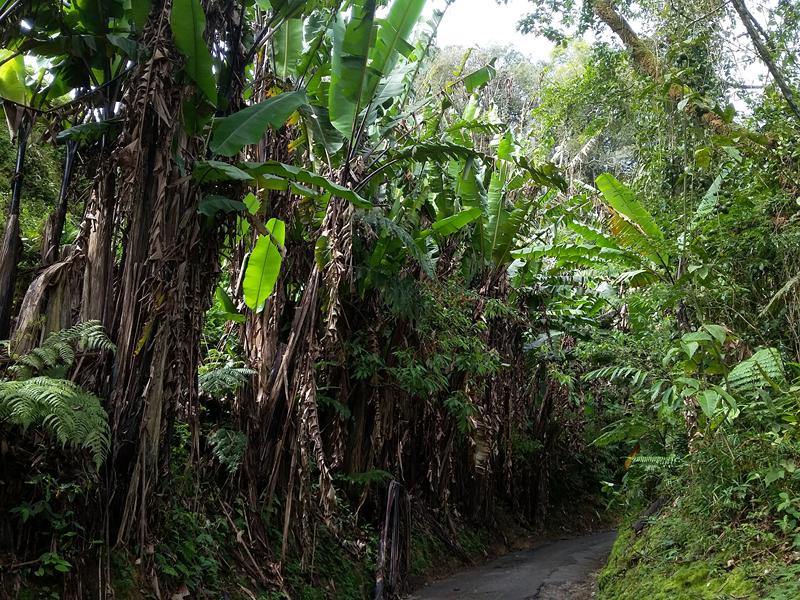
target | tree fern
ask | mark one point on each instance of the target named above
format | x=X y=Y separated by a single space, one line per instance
x=73 y=416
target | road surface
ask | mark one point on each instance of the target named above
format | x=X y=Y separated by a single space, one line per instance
x=558 y=569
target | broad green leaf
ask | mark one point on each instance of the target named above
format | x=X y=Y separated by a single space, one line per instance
x=86 y=133
x=392 y=37
x=708 y=401
x=454 y=223
x=94 y=15
x=294 y=174
x=773 y=475
x=326 y=139
x=622 y=200
x=697 y=336
x=264 y=266
x=469 y=187
x=709 y=201
x=505 y=230
x=12 y=78
x=719 y=332
x=188 y=23
x=481 y=77
x=282 y=9
x=287 y=45
x=349 y=71
x=630 y=222
x=212 y=204
x=322 y=253
x=505 y=146
x=252 y=202
x=124 y=43
x=139 y=11
x=215 y=170
x=225 y=300
x=497 y=214
x=637 y=278
x=228 y=307
x=232 y=133
x=592 y=234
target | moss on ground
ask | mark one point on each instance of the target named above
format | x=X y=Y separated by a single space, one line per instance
x=677 y=558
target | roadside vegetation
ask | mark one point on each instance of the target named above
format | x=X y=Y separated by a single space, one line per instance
x=297 y=304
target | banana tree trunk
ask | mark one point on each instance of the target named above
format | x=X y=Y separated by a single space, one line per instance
x=164 y=282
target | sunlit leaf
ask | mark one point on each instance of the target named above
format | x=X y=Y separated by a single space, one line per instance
x=263 y=266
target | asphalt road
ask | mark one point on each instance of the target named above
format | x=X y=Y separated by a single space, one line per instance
x=558 y=569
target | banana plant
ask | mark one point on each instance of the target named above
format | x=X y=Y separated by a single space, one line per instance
x=359 y=53
x=85 y=47
x=628 y=241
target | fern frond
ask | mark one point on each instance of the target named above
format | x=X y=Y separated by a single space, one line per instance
x=764 y=368
x=57 y=353
x=632 y=375
x=219 y=381
x=653 y=463
x=87 y=335
x=73 y=416
x=228 y=447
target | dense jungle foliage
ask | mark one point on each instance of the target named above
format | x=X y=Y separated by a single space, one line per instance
x=297 y=304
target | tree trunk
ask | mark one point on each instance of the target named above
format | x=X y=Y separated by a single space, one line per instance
x=645 y=60
x=51 y=240
x=166 y=276
x=755 y=32
x=12 y=244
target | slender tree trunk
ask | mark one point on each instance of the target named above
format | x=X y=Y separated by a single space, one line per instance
x=55 y=223
x=12 y=244
x=646 y=62
x=755 y=32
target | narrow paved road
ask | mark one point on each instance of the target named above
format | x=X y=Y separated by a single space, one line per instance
x=548 y=571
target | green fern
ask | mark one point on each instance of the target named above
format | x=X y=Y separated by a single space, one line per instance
x=632 y=375
x=40 y=395
x=73 y=416
x=657 y=463
x=764 y=368
x=219 y=381
x=57 y=353
x=228 y=447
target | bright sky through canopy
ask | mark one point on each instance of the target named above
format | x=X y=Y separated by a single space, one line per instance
x=485 y=23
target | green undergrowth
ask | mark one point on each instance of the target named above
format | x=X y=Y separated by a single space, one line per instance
x=199 y=553
x=433 y=556
x=728 y=530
